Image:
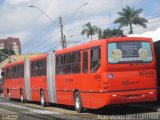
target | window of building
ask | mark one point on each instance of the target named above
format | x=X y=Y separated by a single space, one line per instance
x=85 y=62
x=38 y=67
x=95 y=58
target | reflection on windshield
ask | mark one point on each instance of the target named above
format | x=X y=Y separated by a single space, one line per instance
x=122 y=52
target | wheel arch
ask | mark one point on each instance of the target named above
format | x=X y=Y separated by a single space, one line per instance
x=76 y=90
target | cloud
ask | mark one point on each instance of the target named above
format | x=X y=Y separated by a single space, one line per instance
x=33 y=27
x=15 y=1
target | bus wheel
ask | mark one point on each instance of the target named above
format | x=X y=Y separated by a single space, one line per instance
x=43 y=100
x=21 y=96
x=78 y=102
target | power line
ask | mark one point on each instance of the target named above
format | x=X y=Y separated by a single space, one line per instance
x=109 y=24
x=42 y=37
x=140 y=26
x=32 y=6
x=72 y=42
x=49 y=44
x=75 y=13
x=114 y=5
x=54 y=45
x=123 y=29
x=41 y=43
x=112 y=8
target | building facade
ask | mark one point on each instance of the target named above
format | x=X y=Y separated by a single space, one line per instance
x=11 y=44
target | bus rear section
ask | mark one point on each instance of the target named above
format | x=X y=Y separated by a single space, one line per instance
x=131 y=71
x=127 y=73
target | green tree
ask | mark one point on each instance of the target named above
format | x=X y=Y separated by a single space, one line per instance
x=90 y=30
x=108 y=33
x=5 y=51
x=130 y=16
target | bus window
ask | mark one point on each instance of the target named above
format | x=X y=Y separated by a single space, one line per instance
x=85 y=62
x=17 y=71
x=95 y=59
x=38 y=67
x=67 y=63
x=21 y=70
x=13 y=71
x=76 y=62
x=43 y=67
x=126 y=52
x=32 y=68
x=59 y=63
x=8 y=74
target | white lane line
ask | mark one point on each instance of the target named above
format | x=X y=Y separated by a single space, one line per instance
x=32 y=110
x=44 y=112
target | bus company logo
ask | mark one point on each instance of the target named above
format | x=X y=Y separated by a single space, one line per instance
x=128 y=83
x=111 y=76
x=125 y=82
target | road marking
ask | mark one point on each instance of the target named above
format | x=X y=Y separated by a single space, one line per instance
x=30 y=109
x=44 y=112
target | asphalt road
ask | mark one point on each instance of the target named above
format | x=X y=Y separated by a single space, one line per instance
x=14 y=110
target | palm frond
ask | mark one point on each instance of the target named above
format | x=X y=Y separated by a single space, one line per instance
x=129 y=16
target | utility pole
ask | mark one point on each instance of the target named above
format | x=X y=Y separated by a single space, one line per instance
x=62 y=36
x=65 y=43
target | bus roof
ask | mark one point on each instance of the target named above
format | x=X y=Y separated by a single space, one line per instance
x=93 y=43
x=22 y=61
x=98 y=42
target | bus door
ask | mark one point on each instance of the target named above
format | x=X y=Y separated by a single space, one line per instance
x=27 y=79
x=85 y=70
x=51 y=77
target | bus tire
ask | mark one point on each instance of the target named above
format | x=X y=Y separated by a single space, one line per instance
x=78 y=103
x=21 y=96
x=43 y=100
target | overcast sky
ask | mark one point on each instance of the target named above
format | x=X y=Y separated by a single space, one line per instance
x=37 y=33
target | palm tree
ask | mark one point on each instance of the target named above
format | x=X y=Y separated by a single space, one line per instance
x=90 y=30
x=130 y=16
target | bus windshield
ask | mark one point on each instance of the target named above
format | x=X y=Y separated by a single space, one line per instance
x=126 y=52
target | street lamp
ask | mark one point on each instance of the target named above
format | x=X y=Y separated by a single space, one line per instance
x=32 y=6
x=76 y=12
x=60 y=21
x=61 y=26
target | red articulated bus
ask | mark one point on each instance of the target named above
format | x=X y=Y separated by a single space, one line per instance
x=91 y=75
